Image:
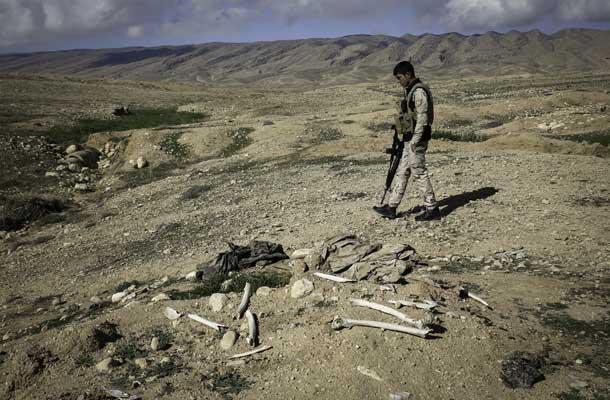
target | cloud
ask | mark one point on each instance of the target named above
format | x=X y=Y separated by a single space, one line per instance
x=49 y=23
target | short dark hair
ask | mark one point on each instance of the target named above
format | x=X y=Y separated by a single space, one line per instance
x=403 y=68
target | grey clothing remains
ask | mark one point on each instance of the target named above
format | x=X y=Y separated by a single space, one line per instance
x=413 y=161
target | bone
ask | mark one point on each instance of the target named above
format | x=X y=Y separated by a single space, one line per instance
x=251 y=352
x=387 y=310
x=245 y=300
x=388 y=288
x=214 y=325
x=367 y=372
x=345 y=323
x=333 y=278
x=171 y=314
x=252 y=338
x=465 y=293
x=426 y=305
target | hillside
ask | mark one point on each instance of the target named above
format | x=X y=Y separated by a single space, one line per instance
x=349 y=59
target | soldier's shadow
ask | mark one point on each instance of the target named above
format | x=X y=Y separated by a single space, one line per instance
x=452 y=203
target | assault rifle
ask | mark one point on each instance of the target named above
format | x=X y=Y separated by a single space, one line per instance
x=404 y=129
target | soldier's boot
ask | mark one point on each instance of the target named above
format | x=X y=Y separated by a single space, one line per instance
x=386 y=211
x=429 y=215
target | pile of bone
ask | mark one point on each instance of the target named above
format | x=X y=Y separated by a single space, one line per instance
x=242 y=311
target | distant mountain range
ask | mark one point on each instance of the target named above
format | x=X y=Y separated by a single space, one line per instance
x=349 y=59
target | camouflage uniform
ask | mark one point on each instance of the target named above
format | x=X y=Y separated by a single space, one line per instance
x=420 y=112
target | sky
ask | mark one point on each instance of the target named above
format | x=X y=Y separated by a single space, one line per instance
x=43 y=25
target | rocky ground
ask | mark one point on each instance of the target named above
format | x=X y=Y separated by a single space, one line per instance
x=525 y=227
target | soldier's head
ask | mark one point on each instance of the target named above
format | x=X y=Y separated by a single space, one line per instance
x=405 y=73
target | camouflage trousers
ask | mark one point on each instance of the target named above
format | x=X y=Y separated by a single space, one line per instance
x=413 y=164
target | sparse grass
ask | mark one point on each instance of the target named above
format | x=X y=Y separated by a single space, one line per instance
x=227 y=383
x=457 y=123
x=379 y=126
x=165 y=337
x=130 y=349
x=241 y=139
x=458 y=137
x=563 y=322
x=214 y=284
x=601 y=137
x=142 y=118
x=84 y=360
x=163 y=369
x=172 y=147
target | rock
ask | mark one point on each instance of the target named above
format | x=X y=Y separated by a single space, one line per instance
x=301 y=253
x=56 y=301
x=96 y=300
x=141 y=162
x=236 y=363
x=192 y=276
x=6 y=337
x=82 y=187
x=301 y=288
x=106 y=365
x=141 y=363
x=52 y=174
x=160 y=297
x=228 y=340
x=299 y=265
x=71 y=149
x=154 y=344
x=579 y=385
x=521 y=370
x=263 y=291
x=102 y=334
x=218 y=301
x=74 y=167
x=118 y=297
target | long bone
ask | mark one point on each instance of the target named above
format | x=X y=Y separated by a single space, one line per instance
x=252 y=338
x=388 y=310
x=333 y=278
x=426 y=305
x=208 y=323
x=251 y=352
x=245 y=300
x=345 y=323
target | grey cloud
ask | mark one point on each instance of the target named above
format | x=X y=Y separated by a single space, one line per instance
x=28 y=22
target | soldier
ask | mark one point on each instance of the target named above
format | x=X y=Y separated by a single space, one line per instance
x=416 y=117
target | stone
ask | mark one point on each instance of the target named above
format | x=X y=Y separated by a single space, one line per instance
x=96 y=300
x=73 y=167
x=141 y=363
x=52 y=174
x=301 y=288
x=228 y=340
x=141 y=162
x=106 y=365
x=56 y=301
x=236 y=363
x=301 y=253
x=160 y=297
x=118 y=297
x=6 y=337
x=299 y=265
x=71 y=149
x=191 y=276
x=82 y=187
x=263 y=291
x=218 y=301
x=154 y=344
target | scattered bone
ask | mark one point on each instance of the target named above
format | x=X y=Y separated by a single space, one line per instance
x=171 y=314
x=301 y=253
x=400 y=396
x=333 y=278
x=369 y=373
x=426 y=305
x=387 y=310
x=341 y=323
x=252 y=338
x=245 y=300
x=208 y=323
x=465 y=293
x=251 y=352
x=118 y=297
x=388 y=288
x=160 y=297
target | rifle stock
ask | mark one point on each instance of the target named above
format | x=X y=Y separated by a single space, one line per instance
x=395 y=155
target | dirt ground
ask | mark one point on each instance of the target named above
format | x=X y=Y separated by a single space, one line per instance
x=526 y=226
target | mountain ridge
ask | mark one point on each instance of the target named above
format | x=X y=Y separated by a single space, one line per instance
x=345 y=59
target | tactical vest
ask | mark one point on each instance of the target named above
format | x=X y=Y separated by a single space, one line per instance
x=407 y=118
